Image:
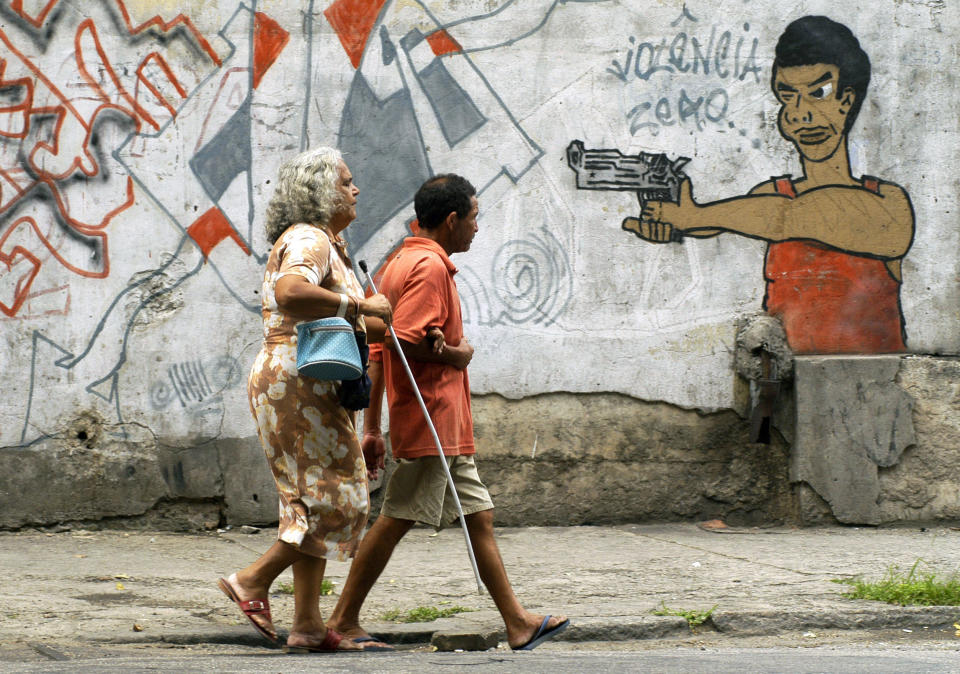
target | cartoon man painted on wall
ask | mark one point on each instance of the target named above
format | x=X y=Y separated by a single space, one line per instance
x=836 y=242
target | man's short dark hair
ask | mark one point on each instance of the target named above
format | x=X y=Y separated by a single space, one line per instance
x=817 y=39
x=440 y=196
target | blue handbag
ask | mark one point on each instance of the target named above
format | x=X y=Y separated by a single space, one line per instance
x=327 y=350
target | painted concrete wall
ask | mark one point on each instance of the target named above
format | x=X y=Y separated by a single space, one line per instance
x=138 y=142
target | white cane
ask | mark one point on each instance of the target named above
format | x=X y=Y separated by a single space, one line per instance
x=433 y=432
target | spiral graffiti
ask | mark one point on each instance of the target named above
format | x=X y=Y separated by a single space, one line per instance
x=533 y=279
x=161 y=395
x=474 y=301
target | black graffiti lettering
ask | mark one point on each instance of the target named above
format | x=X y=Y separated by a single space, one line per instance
x=685 y=53
x=689 y=108
x=721 y=54
x=663 y=113
x=701 y=58
x=652 y=54
x=682 y=110
x=751 y=63
x=715 y=108
x=619 y=71
x=677 y=54
x=736 y=58
x=637 y=123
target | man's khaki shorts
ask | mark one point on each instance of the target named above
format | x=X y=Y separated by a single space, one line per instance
x=418 y=491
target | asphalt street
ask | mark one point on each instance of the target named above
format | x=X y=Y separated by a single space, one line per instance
x=84 y=600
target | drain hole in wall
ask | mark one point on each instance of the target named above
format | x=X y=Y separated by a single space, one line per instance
x=256 y=498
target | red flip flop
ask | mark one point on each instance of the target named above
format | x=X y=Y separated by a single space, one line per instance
x=251 y=608
x=329 y=645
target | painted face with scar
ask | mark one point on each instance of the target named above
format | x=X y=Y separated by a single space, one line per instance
x=814 y=112
x=825 y=223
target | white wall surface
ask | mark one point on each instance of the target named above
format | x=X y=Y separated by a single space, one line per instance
x=118 y=133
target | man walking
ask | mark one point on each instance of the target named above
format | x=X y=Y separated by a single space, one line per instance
x=420 y=286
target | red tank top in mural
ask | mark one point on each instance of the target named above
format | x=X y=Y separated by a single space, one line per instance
x=831 y=301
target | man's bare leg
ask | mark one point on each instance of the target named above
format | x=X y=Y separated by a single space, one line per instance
x=370 y=561
x=521 y=624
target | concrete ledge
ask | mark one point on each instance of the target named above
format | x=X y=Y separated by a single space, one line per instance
x=625 y=628
x=866 y=618
x=865 y=440
x=446 y=635
x=64 y=479
x=874 y=439
x=606 y=458
x=466 y=640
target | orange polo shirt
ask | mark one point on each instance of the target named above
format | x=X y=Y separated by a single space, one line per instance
x=419 y=284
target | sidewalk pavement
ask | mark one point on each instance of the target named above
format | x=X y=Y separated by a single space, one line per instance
x=151 y=587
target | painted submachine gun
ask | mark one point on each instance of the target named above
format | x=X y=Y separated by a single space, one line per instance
x=654 y=177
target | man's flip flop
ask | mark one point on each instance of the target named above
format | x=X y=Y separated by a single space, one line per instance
x=542 y=634
x=251 y=608
x=375 y=644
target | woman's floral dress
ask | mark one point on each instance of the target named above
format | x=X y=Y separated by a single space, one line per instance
x=309 y=438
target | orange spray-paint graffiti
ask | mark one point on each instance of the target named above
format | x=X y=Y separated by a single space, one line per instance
x=100 y=115
x=54 y=124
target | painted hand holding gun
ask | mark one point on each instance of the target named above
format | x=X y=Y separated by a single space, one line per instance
x=654 y=178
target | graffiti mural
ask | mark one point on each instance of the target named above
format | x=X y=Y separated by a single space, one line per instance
x=59 y=189
x=139 y=141
x=836 y=242
x=418 y=105
x=103 y=113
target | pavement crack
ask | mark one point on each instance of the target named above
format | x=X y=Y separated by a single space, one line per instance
x=729 y=556
x=256 y=551
x=48 y=652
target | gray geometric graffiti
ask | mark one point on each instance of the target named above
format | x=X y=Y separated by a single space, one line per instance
x=227 y=155
x=456 y=112
x=381 y=142
x=410 y=86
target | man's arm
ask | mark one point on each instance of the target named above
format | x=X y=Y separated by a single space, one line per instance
x=650 y=229
x=849 y=218
x=427 y=351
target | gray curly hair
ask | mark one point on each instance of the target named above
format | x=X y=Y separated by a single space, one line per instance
x=306 y=191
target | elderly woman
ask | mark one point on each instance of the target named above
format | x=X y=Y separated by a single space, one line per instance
x=308 y=436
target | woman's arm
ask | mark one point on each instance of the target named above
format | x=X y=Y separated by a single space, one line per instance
x=298 y=297
x=376 y=330
x=373 y=446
